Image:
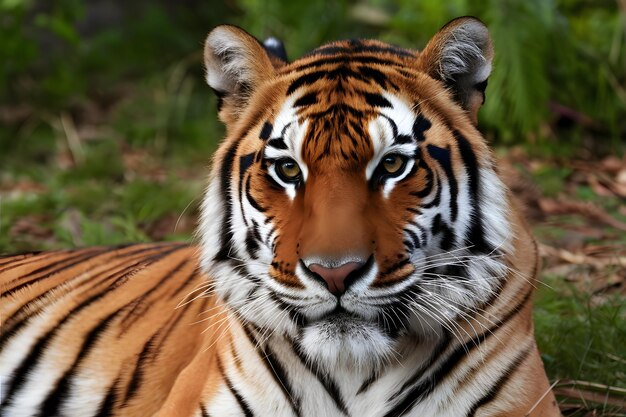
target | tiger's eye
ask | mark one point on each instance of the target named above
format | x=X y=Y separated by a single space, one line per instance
x=393 y=163
x=288 y=170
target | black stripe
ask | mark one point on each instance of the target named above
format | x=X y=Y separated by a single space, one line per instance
x=447 y=234
x=252 y=245
x=251 y=199
x=306 y=79
x=278 y=143
x=240 y=400
x=280 y=376
x=377 y=100
x=500 y=383
x=476 y=236
x=435 y=201
x=341 y=73
x=266 y=131
x=23 y=371
x=428 y=187
x=432 y=358
x=16 y=260
x=448 y=237
x=253 y=239
x=442 y=156
x=377 y=76
x=226 y=235
x=131 y=317
x=51 y=270
x=203 y=411
x=77 y=254
x=107 y=404
x=244 y=163
x=395 y=267
x=420 y=126
x=340 y=109
x=392 y=123
x=428 y=385
x=255 y=231
x=51 y=405
x=368 y=382
x=150 y=352
x=329 y=385
x=82 y=255
x=415 y=240
x=137 y=374
x=403 y=139
x=294 y=315
x=345 y=60
x=306 y=100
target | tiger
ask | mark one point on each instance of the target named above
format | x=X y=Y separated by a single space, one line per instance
x=357 y=255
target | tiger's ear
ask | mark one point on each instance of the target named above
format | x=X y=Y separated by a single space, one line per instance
x=460 y=56
x=236 y=65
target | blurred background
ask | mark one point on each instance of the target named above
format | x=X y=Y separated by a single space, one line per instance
x=107 y=129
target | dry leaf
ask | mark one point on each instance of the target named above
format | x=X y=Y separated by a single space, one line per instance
x=587 y=209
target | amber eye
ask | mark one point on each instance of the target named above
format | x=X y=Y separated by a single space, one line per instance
x=288 y=170
x=393 y=164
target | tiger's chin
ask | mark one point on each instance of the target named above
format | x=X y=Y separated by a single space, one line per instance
x=346 y=342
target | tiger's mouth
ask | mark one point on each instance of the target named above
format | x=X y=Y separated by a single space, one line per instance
x=342 y=322
x=338 y=315
x=344 y=339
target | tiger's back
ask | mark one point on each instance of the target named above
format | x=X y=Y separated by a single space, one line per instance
x=88 y=331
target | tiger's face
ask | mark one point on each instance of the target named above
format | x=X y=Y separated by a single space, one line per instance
x=354 y=207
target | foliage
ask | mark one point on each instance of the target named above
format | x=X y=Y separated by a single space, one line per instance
x=566 y=52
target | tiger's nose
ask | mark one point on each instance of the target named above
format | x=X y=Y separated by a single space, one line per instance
x=339 y=278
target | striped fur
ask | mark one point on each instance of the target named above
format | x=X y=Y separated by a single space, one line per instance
x=436 y=320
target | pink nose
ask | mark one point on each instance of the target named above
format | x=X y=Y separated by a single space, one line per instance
x=335 y=277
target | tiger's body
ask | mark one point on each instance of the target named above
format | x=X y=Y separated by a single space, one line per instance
x=358 y=257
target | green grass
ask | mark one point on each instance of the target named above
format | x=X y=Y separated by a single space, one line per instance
x=582 y=337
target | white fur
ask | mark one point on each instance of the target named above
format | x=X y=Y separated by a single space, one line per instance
x=463 y=54
x=225 y=74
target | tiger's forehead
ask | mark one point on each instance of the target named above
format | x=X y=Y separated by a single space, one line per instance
x=334 y=95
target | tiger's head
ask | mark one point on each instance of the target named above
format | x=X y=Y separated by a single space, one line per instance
x=354 y=205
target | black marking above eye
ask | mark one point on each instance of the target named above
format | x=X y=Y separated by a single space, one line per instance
x=404 y=139
x=266 y=131
x=278 y=143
